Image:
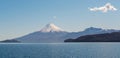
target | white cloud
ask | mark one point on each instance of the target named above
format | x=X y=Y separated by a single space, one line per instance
x=107 y=7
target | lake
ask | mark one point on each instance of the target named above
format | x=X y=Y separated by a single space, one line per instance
x=60 y=50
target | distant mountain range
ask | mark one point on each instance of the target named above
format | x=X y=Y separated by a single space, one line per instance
x=90 y=31
x=53 y=34
x=106 y=37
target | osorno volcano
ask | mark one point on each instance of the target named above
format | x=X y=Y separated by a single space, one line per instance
x=49 y=34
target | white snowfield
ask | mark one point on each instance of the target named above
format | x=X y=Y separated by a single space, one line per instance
x=51 y=28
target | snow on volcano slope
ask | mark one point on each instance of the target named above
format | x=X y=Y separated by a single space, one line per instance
x=51 y=28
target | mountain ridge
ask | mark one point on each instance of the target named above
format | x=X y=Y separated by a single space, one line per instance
x=106 y=37
x=53 y=34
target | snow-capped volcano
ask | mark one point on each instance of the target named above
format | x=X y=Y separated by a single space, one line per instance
x=49 y=34
x=51 y=28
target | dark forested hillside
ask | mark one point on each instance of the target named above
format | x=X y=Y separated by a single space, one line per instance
x=107 y=37
x=10 y=41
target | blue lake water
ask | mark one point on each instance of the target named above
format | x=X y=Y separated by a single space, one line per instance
x=60 y=50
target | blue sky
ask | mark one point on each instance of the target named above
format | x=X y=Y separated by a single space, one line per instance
x=20 y=17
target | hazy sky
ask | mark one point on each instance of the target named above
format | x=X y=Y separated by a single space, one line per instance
x=20 y=17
